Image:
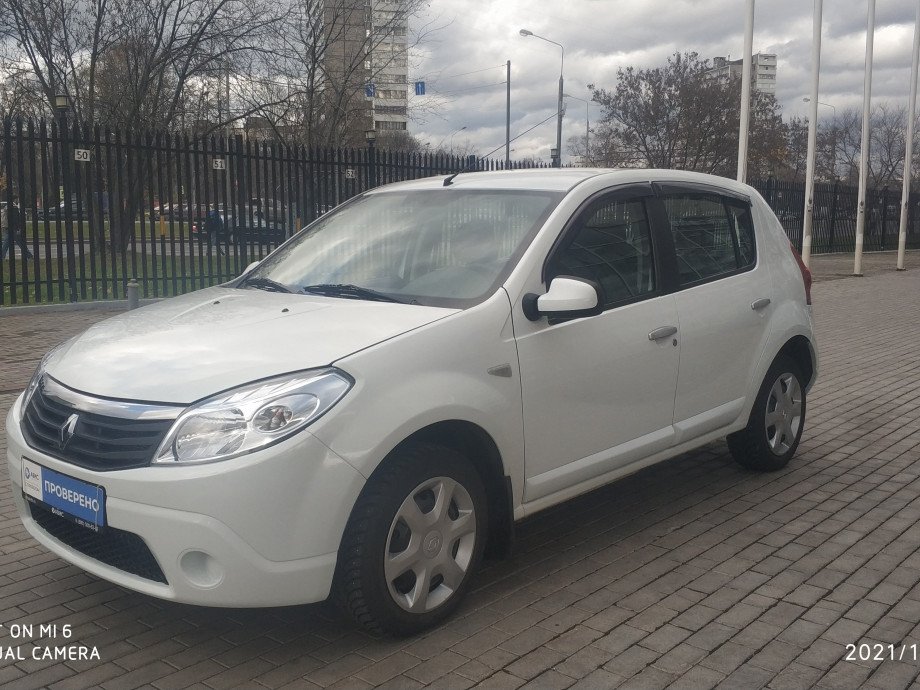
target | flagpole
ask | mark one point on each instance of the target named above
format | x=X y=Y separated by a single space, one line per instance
x=909 y=143
x=864 y=142
x=744 y=125
x=812 y=133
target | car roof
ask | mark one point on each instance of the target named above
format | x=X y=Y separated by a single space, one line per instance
x=562 y=179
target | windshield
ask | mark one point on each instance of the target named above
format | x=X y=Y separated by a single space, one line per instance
x=434 y=247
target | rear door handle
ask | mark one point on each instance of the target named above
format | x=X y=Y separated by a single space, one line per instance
x=761 y=303
x=663 y=332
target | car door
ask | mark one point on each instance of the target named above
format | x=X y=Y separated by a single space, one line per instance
x=598 y=392
x=723 y=302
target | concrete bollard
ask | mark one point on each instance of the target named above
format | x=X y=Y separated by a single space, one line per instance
x=132 y=294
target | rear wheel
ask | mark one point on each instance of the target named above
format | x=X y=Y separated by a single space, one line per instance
x=775 y=426
x=413 y=541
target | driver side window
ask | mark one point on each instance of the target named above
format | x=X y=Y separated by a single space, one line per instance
x=612 y=246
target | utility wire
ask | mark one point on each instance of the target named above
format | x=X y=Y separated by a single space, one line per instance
x=472 y=88
x=518 y=136
x=463 y=74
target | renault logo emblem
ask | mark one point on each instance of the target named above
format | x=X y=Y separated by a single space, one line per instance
x=67 y=429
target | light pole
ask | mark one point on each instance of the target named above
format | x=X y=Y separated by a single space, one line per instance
x=451 y=138
x=827 y=105
x=62 y=105
x=450 y=143
x=370 y=136
x=833 y=133
x=587 y=123
x=558 y=160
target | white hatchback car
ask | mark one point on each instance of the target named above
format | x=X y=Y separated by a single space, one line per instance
x=381 y=398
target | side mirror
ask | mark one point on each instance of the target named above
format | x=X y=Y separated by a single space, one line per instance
x=567 y=298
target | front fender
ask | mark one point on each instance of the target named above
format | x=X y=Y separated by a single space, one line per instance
x=436 y=373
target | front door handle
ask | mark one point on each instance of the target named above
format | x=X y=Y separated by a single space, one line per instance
x=663 y=332
x=761 y=303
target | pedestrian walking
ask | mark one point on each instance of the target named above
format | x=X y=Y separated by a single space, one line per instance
x=214 y=226
x=13 y=229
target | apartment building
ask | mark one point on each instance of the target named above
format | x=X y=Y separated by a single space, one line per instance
x=367 y=61
x=763 y=71
x=389 y=58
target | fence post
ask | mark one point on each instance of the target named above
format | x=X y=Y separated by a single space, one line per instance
x=67 y=207
x=6 y=230
x=884 y=218
x=830 y=232
x=132 y=293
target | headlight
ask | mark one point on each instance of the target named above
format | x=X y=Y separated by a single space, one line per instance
x=251 y=417
x=36 y=379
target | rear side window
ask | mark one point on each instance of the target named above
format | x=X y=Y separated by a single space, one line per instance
x=612 y=246
x=713 y=236
x=739 y=215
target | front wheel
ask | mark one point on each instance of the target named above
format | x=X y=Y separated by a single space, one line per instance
x=413 y=541
x=775 y=426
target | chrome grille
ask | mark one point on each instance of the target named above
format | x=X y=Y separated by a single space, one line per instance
x=76 y=429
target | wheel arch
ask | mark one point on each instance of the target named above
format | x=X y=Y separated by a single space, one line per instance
x=801 y=351
x=478 y=446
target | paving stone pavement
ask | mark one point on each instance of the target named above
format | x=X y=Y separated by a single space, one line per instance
x=692 y=573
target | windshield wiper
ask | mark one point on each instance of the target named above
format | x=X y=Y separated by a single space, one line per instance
x=265 y=284
x=349 y=291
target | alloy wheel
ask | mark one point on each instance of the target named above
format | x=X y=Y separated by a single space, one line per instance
x=783 y=418
x=430 y=545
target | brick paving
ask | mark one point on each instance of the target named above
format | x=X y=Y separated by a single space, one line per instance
x=692 y=573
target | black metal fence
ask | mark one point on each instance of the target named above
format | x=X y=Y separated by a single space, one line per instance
x=834 y=216
x=85 y=210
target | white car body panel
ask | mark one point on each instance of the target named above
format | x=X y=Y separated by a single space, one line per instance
x=436 y=373
x=186 y=348
x=229 y=510
x=597 y=392
x=716 y=319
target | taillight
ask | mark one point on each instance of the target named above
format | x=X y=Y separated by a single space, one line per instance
x=806 y=274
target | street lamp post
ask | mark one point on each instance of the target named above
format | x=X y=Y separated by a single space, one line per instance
x=587 y=123
x=450 y=143
x=62 y=106
x=450 y=137
x=557 y=162
x=833 y=133
x=370 y=136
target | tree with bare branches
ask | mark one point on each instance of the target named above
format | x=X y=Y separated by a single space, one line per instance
x=677 y=116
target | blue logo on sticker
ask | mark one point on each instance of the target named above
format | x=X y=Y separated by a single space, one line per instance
x=80 y=499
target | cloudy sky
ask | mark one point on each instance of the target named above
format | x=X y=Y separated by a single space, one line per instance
x=463 y=59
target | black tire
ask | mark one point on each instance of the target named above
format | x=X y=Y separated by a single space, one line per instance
x=754 y=447
x=373 y=531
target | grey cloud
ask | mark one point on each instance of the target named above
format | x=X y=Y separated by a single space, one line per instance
x=603 y=35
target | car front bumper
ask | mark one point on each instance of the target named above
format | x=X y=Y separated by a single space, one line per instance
x=259 y=530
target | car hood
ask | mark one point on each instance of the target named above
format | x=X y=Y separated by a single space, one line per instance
x=186 y=348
